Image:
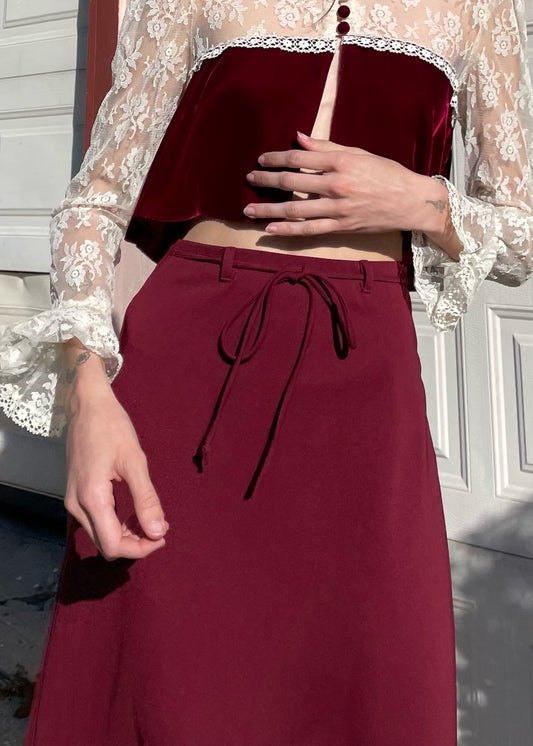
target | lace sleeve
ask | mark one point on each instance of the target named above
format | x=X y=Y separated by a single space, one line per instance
x=494 y=218
x=150 y=68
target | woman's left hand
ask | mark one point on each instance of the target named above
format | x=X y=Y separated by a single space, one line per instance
x=354 y=191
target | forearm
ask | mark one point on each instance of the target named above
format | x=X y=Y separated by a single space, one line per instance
x=432 y=214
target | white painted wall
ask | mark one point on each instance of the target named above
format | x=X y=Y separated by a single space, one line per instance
x=42 y=91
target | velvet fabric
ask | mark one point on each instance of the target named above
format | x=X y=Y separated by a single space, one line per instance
x=247 y=101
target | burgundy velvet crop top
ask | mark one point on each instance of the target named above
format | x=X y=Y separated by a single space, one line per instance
x=248 y=101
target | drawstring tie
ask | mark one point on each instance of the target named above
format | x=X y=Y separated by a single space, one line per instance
x=254 y=315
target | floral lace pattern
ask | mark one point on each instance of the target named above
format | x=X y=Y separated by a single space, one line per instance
x=479 y=44
x=31 y=396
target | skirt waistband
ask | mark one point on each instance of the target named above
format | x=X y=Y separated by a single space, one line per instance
x=317 y=275
x=231 y=257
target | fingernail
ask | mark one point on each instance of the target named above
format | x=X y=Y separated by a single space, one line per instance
x=272 y=228
x=249 y=210
x=301 y=134
x=261 y=159
x=156 y=527
x=250 y=176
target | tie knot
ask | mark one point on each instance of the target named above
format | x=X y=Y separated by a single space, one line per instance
x=296 y=277
x=252 y=319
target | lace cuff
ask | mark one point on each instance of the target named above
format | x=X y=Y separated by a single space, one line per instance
x=447 y=287
x=31 y=360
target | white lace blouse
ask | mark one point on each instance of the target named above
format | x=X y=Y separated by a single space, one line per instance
x=479 y=44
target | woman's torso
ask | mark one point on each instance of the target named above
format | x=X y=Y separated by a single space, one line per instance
x=371 y=246
x=390 y=89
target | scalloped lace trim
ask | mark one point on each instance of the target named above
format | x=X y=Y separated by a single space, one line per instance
x=37 y=412
x=268 y=41
x=30 y=361
x=318 y=45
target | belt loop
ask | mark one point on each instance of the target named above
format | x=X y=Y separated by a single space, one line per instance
x=368 y=276
x=227 y=271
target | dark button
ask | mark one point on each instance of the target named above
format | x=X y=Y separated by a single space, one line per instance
x=343 y=11
x=343 y=27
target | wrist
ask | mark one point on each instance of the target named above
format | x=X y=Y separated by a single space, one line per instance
x=431 y=208
x=82 y=376
x=432 y=215
x=86 y=392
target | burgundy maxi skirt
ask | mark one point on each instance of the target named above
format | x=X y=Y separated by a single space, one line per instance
x=303 y=597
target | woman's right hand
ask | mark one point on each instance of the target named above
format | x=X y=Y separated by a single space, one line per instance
x=102 y=446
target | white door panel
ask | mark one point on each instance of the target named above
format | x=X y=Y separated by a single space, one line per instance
x=40 y=128
x=479 y=384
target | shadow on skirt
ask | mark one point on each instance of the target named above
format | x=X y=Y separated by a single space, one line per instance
x=303 y=597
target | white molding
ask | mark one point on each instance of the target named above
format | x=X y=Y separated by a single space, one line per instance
x=504 y=411
x=521 y=341
x=49 y=111
x=24 y=212
x=13 y=17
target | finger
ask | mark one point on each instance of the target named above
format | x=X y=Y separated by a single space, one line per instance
x=296 y=209
x=305 y=227
x=98 y=505
x=77 y=512
x=315 y=161
x=113 y=540
x=317 y=144
x=293 y=182
x=137 y=547
x=146 y=501
x=130 y=546
x=131 y=549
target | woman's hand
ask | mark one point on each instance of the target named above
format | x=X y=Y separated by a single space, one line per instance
x=354 y=191
x=102 y=445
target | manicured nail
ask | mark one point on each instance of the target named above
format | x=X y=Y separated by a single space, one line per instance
x=261 y=159
x=272 y=228
x=250 y=176
x=301 y=134
x=156 y=527
x=249 y=210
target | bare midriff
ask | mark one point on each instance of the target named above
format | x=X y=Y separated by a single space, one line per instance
x=371 y=246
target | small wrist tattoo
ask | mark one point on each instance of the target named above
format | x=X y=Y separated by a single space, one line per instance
x=438 y=204
x=70 y=373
